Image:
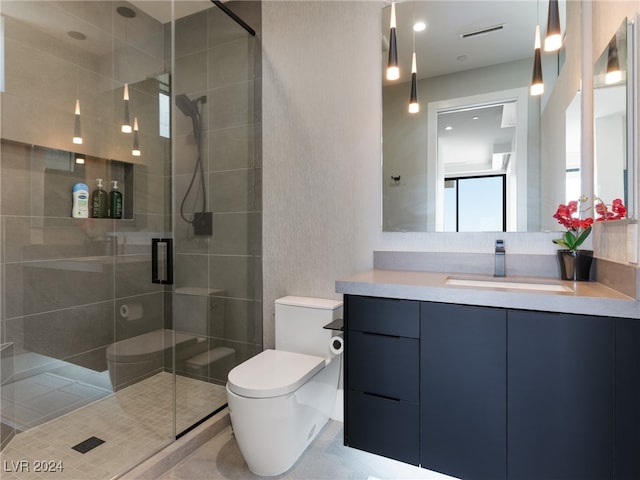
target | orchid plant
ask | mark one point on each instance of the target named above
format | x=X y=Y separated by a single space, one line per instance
x=578 y=229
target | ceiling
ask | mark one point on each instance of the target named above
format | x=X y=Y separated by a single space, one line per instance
x=161 y=9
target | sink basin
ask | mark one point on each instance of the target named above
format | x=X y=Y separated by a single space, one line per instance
x=510 y=284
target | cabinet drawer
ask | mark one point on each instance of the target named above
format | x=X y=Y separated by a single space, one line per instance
x=384 y=365
x=383 y=426
x=384 y=315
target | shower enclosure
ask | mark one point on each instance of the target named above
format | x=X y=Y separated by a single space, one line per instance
x=116 y=334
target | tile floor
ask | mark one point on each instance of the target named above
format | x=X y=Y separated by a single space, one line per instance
x=134 y=423
x=326 y=458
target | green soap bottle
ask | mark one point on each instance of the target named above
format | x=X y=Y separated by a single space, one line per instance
x=99 y=201
x=115 y=201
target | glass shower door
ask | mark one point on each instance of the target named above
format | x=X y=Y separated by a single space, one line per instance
x=216 y=205
x=85 y=343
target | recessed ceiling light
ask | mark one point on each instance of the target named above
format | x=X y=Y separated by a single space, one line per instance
x=475 y=117
x=77 y=35
x=448 y=127
x=126 y=12
x=419 y=26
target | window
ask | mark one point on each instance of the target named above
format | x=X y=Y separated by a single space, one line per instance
x=475 y=204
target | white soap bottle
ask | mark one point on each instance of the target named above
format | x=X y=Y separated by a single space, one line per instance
x=80 y=207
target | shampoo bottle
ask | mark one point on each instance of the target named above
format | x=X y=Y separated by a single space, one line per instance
x=99 y=201
x=115 y=201
x=80 y=207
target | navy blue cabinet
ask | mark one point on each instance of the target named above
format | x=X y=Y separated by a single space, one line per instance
x=491 y=393
x=463 y=390
x=382 y=377
x=560 y=396
x=627 y=400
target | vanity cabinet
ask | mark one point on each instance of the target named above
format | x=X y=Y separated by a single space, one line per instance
x=463 y=390
x=627 y=400
x=560 y=396
x=382 y=377
x=491 y=393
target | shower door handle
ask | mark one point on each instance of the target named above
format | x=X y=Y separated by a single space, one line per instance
x=168 y=264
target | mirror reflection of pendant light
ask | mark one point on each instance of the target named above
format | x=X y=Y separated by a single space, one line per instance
x=614 y=74
x=126 y=120
x=77 y=135
x=77 y=131
x=136 y=141
x=414 y=106
x=537 y=85
x=553 y=40
x=393 y=72
x=127 y=13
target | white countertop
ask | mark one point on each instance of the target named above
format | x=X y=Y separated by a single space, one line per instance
x=590 y=298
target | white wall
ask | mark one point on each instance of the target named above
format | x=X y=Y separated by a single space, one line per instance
x=321 y=146
x=322 y=152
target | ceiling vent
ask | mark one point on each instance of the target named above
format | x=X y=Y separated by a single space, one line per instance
x=482 y=31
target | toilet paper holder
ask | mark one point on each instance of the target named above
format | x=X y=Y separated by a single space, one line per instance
x=337 y=324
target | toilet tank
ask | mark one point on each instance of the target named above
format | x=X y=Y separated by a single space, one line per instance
x=299 y=322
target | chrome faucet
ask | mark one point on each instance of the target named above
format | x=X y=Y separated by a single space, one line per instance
x=500 y=257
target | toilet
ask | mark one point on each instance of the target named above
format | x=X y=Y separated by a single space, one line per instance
x=280 y=399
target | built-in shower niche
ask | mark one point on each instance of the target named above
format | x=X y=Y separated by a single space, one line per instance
x=61 y=170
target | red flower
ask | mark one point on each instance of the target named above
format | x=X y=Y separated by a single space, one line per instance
x=618 y=211
x=578 y=229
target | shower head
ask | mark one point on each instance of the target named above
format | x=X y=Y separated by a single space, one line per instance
x=187 y=106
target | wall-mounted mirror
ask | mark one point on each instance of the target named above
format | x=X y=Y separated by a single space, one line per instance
x=612 y=121
x=474 y=72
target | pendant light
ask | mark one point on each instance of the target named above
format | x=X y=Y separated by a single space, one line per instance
x=136 y=141
x=126 y=119
x=414 y=106
x=614 y=73
x=553 y=40
x=537 y=85
x=393 y=72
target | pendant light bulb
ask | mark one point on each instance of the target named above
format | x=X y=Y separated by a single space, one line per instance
x=553 y=40
x=614 y=73
x=537 y=85
x=126 y=121
x=414 y=106
x=393 y=72
x=136 y=142
x=77 y=135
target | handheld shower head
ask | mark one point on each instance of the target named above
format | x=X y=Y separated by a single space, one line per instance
x=187 y=106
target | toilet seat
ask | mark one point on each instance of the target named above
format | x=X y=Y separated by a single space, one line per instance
x=272 y=373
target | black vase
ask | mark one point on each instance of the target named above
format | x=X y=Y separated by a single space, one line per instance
x=575 y=265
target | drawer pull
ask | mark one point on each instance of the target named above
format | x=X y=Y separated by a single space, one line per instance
x=382 y=396
x=381 y=335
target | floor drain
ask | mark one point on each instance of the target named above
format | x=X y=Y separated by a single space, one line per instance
x=88 y=444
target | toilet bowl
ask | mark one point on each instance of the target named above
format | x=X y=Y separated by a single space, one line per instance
x=139 y=357
x=280 y=399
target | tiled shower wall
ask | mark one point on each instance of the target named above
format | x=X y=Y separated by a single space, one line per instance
x=219 y=277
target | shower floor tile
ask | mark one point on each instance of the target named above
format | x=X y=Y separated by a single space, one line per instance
x=134 y=422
